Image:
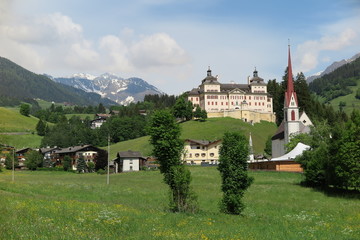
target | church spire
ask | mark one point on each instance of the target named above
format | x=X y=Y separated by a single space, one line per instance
x=290 y=83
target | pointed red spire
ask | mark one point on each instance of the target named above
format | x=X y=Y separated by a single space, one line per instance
x=290 y=83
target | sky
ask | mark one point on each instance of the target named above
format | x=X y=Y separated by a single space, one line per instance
x=171 y=44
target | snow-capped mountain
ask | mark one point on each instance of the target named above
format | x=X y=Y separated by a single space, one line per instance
x=123 y=91
x=332 y=68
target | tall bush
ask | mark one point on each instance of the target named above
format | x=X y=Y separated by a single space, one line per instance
x=233 y=168
x=167 y=148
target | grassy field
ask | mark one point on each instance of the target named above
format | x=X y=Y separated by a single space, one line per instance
x=21 y=141
x=81 y=115
x=59 y=205
x=12 y=121
x=211 y=129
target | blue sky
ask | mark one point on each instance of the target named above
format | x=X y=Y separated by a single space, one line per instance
x=171 y=43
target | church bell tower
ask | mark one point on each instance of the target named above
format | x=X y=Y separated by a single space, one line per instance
x=291 y=107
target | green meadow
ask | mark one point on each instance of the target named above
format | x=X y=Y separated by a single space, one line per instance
x=12 y=121
x=61 y=205
x=211 y=129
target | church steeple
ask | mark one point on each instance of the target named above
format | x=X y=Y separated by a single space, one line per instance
x=290 y=94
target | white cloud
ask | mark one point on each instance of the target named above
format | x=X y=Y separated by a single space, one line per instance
x=157 y=50
x=335 y=37
x=55 y=43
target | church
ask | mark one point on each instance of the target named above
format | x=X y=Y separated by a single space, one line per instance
x=249 y=102
x=294 y=122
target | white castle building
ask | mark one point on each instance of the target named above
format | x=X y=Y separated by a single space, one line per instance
x=249 y=102
x=294 y=122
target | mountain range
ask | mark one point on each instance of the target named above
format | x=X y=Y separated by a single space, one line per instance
x=332 y=67
x=120 y=90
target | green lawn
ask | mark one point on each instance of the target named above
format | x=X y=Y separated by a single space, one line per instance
x=211 y=129
x=21 y=141
x=59 y=205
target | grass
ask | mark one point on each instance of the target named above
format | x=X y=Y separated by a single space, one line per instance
x=60 y=205
x=21 y=141
x=13 y=121
x=211 y=129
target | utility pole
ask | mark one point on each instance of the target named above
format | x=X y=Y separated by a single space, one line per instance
x=108 y=165
x=13 y=165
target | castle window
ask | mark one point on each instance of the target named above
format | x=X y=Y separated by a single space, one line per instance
x=292 y=115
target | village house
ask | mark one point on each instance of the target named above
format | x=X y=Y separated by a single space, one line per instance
x=128 y=161
x=249 y=102
x=197 y=152
x=99 y=120
x=20 y=154
x=87 y=152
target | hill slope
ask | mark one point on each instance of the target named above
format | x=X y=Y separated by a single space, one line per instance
x=339 y=85
x=18 y=83
x=13 y=121
x=212 y=129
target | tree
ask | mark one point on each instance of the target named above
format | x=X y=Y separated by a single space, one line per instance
x=183 y=109
x=268 y=147
x=294 y=140
x=25 y=109
x=101 y=108
x=41 y=127
x=101 y=160
x=81 y=165
x=67 y=163
x=9 y=161
x=347 y=157
x=167 y=148
x=233 y=167
x=33 y=160
x=357 y=96
x=198 y=113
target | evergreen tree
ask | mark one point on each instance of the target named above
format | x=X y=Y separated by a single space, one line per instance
x=101 y=108
x=67 y=163
x=233 y=166
x=197 y=113
x=167 y=148
x=33 y=160
x=41 y=127
x=81 y=165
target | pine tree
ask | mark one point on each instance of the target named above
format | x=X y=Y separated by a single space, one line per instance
x=41 y=127
x=81 y=165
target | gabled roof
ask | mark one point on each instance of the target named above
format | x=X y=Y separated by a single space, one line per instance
x=23 y=150
x=129 y=154
x=280 y=132
x=45 y=150
x=202 y=142
x=74 y=149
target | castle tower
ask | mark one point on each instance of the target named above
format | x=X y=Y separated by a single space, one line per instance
x=291 y=107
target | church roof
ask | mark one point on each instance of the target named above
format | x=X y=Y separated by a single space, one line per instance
x=280 y=132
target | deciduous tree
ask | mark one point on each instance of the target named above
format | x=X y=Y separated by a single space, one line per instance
x=33 y=160
x=233 y=167
x=167 y=148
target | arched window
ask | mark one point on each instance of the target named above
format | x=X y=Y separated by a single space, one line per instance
x=292 y=115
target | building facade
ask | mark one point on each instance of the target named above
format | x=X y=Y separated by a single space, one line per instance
x=201 y=151
x=250 y=102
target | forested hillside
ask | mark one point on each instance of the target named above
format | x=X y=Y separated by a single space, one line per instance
x=338 y=82
x=18 y=84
